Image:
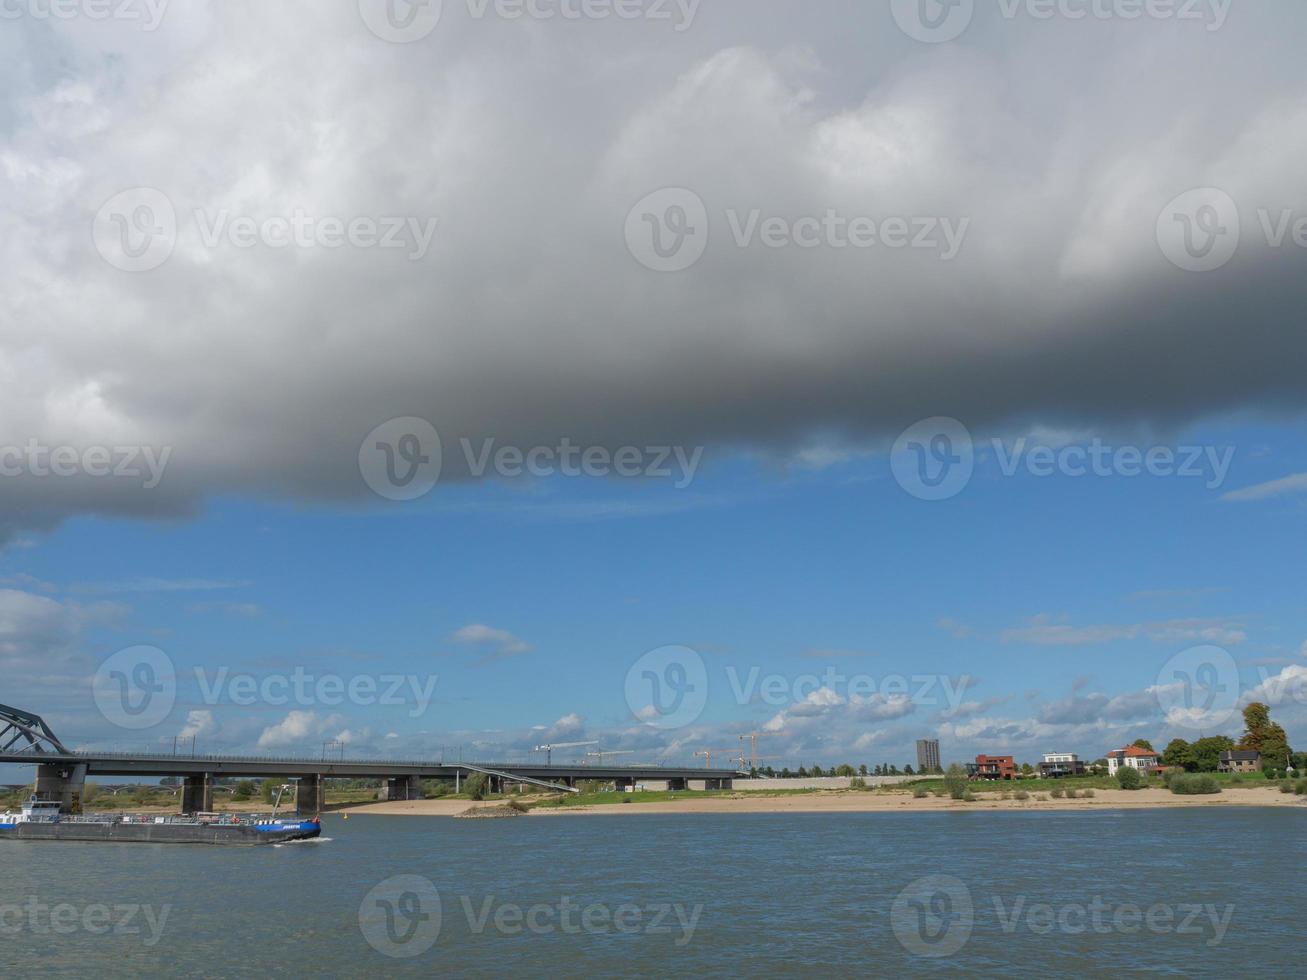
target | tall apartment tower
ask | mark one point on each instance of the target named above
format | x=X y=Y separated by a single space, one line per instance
x=927 y=754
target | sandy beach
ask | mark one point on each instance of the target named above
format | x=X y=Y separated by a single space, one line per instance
x=861 y=802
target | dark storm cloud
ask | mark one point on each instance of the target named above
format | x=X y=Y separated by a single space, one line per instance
x=527 y=320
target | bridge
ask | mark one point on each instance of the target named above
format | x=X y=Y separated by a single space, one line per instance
x=61 y=772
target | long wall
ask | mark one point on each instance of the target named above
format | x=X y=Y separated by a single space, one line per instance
x=820 y=782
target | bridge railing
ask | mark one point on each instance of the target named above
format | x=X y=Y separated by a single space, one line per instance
x=338 y=762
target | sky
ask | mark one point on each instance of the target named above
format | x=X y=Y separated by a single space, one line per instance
x=414 y=380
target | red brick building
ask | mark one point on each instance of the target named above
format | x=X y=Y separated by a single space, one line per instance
x=993 y=767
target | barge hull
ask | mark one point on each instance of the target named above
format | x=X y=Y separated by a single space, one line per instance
x=160 y=833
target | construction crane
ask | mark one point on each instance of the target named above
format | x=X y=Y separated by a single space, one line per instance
x=548 y=749
x=708 y=754
x=753 y=746
x=601 y=755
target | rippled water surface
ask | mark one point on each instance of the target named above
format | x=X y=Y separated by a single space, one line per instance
x=1216 y=892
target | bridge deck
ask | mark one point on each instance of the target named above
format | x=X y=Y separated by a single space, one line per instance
x=141 y=764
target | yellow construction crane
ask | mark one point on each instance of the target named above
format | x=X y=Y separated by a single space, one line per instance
x=601 y=755
x=753 y=746
x=548 y=749
x=708 y=754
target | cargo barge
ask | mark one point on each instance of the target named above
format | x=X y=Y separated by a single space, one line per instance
x=41 y=820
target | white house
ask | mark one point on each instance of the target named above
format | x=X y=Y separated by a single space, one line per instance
x=1145 y=760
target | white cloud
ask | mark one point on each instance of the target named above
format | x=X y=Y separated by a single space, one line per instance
x=1043 y=630
x=297 y=726
x=199 y=724
x=499 y=642
x=1297 y=483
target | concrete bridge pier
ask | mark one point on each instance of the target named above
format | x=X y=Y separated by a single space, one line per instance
x=309 y=796
x=62 y=783
x=402 y=788
x=197 y=794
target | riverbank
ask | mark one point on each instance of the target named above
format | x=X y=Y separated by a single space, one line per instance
x=853 y=801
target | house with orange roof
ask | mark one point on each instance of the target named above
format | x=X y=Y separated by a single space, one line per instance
x=1145 y=760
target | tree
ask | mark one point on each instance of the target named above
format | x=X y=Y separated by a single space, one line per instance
x=907 y=770
x=893 y=770
x=1027 y=769
x=1143 y=743
x=1128 y=777
x=845 y=770
x=1264 y=736
x=1205 y=754
x=816 y=772
x=475 y=786
x=862 y=769
x=1178 y=753
x=803 y=773
x=955 y=781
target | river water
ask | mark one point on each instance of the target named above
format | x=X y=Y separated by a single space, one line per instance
x=1193 y=892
